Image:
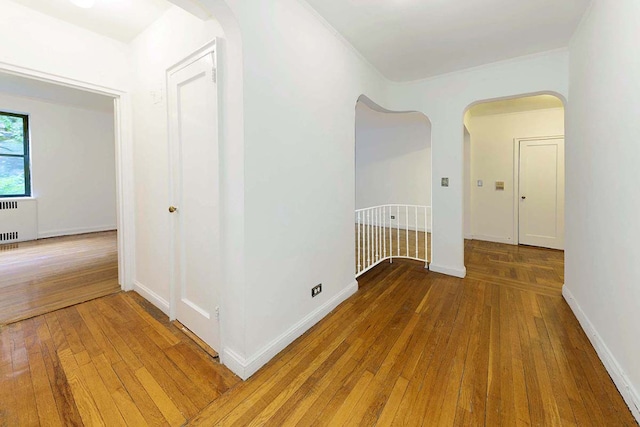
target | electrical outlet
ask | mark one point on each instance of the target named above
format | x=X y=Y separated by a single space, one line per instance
x=316 y=290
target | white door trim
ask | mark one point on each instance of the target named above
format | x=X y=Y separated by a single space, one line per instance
x=208 y=48
x=124 y=161
x=516 y=181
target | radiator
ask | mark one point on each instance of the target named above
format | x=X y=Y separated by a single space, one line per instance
x=18 y=220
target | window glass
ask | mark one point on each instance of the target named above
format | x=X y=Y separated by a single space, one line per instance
x=14 y=155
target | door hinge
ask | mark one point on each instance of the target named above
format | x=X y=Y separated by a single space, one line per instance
x=214 y=75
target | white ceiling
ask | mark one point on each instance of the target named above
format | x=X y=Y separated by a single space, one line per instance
x=413 y=39
x=119 y=19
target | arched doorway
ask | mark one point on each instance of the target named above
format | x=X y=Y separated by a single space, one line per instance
x=393 y=185
x=514 y=171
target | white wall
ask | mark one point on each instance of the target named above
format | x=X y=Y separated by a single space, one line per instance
x=393 y=158
x=492 y=136
x=301 y=84
x=444 y=99
x=167 y=41
x=602 y=273
x=73 y=173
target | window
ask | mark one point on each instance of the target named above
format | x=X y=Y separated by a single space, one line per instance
x=15 y=179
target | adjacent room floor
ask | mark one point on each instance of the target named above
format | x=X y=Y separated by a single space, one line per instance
x=412 y=347
x=44 y=275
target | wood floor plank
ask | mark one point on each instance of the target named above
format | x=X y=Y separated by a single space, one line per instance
x=45 y=400
x=87 y=407
x=143 y=401
x=392 y=404
x=349 y=407
x=22 y=383
x=171 y=413
x=318 y=396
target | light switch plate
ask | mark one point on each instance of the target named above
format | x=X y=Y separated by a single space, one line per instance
x=445 y=182
x=499 y=185
x=480 y=183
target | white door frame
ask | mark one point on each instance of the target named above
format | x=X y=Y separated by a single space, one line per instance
x=516 y=181
x=124 y=161
x=208 y=48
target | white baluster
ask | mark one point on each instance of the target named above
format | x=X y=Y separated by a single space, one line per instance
x=416 y=213
x=384 y=231
x=390 y=237
x=406 y=224
x=359 y=264
x=368 y=238
x=379 y=234
x=398 y=227
x=375 y=233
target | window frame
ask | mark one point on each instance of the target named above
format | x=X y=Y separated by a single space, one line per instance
x=26 y=155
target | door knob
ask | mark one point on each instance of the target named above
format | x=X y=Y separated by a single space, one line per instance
x=523 y=197
x=172 y=209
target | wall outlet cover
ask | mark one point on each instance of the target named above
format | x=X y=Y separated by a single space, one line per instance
x=445 y=182
x=316 y=290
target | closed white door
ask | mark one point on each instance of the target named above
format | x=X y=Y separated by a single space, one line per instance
x=541 y=201
x=192 y=101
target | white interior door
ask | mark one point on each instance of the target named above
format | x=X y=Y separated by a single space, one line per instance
x=192 y=102
x=541 y=201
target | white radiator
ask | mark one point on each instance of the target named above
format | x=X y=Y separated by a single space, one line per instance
x=18 y=220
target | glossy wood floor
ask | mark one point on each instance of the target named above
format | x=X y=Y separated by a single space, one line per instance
x=412 y=347
x=44 y=275
x=111 y=361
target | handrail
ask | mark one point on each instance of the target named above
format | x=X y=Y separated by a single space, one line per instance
x=375 y=223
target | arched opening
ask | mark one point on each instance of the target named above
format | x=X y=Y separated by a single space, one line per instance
x=392 y=185
x=514 y=173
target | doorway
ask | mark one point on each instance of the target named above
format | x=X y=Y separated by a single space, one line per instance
x=516 y=150
x=195 y=194
x=59 y=208
x=393 y=186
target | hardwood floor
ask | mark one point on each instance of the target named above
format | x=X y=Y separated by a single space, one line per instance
x=110 y=361
x=45 y=275
x=412 y=347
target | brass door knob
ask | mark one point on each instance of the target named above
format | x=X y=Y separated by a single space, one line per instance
x=172 y=209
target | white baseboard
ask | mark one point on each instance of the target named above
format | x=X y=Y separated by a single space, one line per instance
x=152 y=297
x=620 y=378
x=236 y=363
x=450 y=271
x=245 y=367
x=74 y=231
x=494 y=239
